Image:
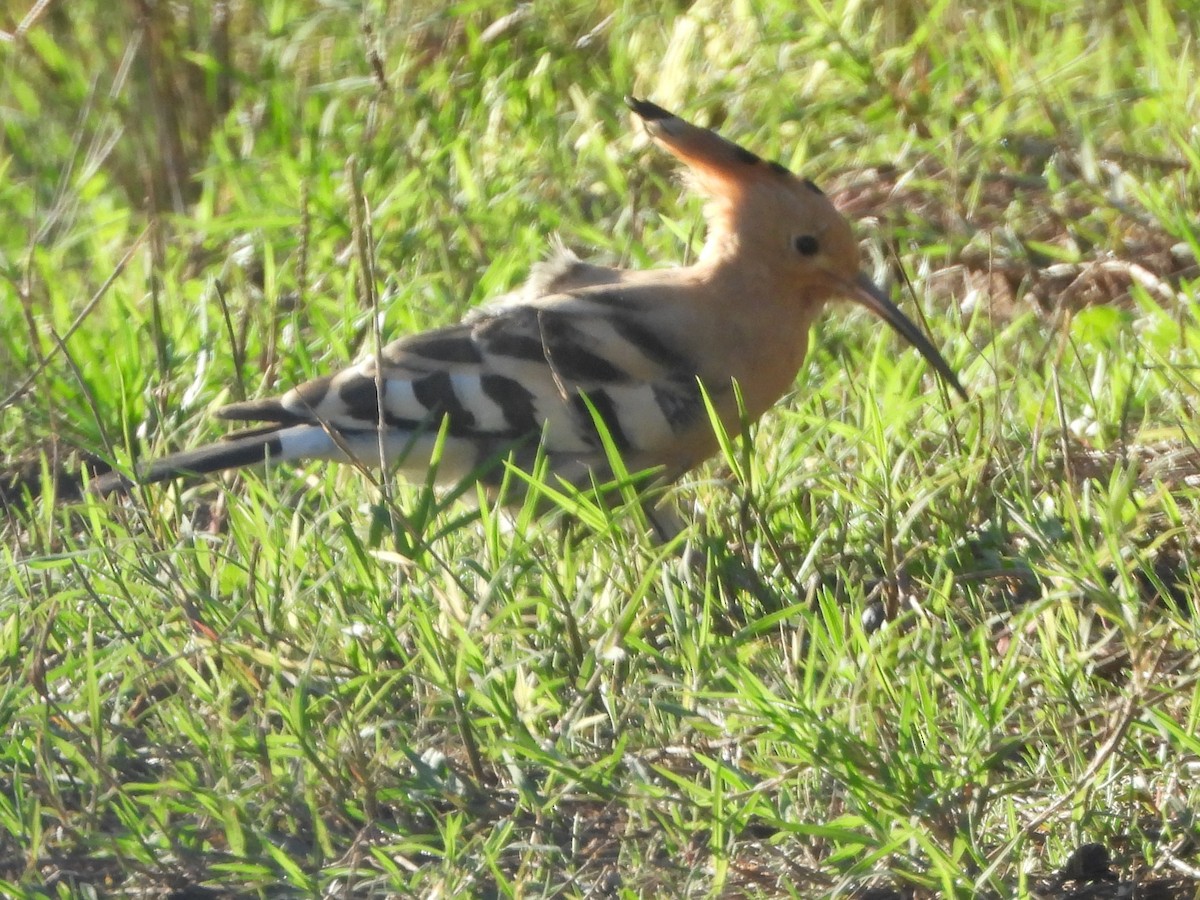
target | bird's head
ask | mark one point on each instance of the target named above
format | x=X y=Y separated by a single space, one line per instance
x=762 y=216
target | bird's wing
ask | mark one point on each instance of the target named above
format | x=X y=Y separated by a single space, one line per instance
x=507 y=378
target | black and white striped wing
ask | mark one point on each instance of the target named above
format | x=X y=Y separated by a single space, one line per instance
x=506 y=379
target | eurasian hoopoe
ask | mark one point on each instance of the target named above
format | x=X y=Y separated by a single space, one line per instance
x=582 y=344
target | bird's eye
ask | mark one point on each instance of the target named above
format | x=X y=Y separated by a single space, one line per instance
x=806 y=245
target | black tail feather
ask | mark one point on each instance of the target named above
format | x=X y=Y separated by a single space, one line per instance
x=231 y=454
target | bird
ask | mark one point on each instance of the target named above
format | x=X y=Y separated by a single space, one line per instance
x=583 y=359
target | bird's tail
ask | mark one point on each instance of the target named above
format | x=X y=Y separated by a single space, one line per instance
x=249 y=448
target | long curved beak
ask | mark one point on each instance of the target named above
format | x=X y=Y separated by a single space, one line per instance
x=863 y=290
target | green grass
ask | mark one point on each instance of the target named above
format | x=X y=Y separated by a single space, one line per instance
x=294 y=682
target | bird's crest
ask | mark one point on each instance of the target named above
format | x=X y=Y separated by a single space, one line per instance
x=743 y=190
x=719 y=166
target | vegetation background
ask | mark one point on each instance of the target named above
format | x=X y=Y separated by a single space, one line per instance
x=302 y=682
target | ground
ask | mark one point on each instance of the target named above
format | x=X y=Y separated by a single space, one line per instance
x=926 y=647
